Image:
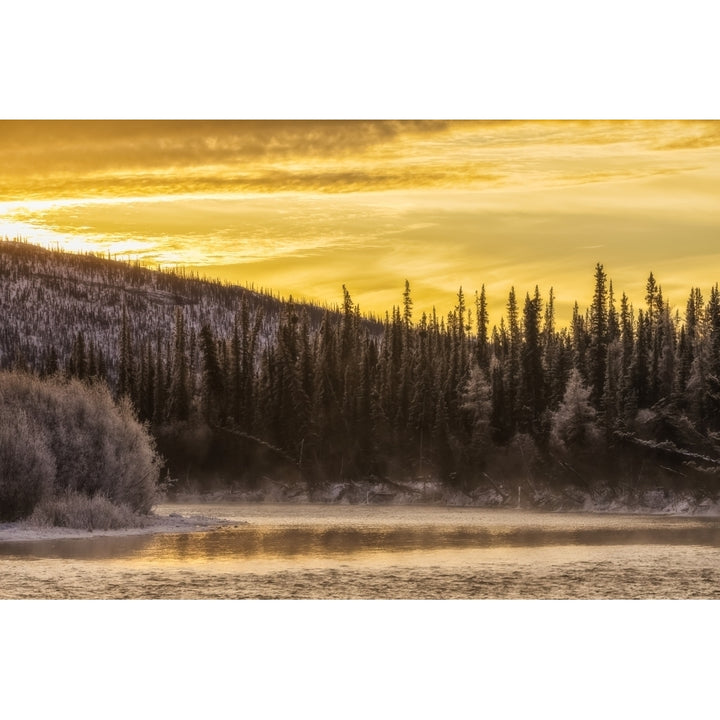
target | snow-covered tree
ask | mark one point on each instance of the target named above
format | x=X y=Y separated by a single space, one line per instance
x=574 y=425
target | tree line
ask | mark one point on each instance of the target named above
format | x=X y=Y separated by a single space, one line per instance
x=235 y=385
x=620 y=397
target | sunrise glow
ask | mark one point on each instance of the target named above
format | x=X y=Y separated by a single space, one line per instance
x=301 y=208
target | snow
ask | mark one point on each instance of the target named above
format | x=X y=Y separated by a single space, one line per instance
x=172 y=523
x=650 y=502
x=430 y=491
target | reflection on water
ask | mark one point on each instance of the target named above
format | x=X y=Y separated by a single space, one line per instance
x=352 y=551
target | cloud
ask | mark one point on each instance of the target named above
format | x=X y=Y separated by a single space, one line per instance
x=302 y=208
x=76 y=159
x=111 y=158
x=41 y=159
x=97 y=144
x=693 y=136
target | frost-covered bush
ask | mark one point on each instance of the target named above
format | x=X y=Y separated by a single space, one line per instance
x=76 y=510
x=97 y=446
x=27 y=466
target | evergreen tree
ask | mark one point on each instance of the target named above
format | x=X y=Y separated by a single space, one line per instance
x=598 y=330
x=651 y=297
x=50 y=365
x=126 y=372
x=575 y=427
x=627 y=381
x=640 y=364
x=179 y=399
x=92 y=363
x=213 y=395
x=407 y=305
x=554 y=356
x=481 y=313
x=512 y=363
x=160 y=399
x=579 y=342
x=667 y=350
x=532 y=394
x=501 y=420
x=78 y=363
x=613 y=331
x=687 y=342
x=477 y=405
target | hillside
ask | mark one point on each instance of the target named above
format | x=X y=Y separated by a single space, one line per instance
x=150 y=335
x=48 y=297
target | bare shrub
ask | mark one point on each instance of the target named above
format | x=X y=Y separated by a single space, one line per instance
x=27 y=466
x=94 y=446
x=76 y=510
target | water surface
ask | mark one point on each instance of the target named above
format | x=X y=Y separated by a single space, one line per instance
x=366 y=551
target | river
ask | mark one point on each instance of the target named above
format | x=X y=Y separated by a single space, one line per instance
x=366 y=551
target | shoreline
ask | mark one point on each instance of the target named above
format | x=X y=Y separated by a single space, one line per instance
x=603 y=500
x=680 y=505
x=22 y=531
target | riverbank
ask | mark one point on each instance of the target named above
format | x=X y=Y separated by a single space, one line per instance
x=170 y=523
x=614 y=500
x=602 y=501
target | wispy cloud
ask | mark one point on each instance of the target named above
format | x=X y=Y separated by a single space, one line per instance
x=304 y=207
x=112 y=158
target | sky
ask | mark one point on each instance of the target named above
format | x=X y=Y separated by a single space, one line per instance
x=302 y=208
x=514 y=59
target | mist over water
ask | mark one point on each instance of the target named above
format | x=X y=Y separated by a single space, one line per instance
x=351 y=551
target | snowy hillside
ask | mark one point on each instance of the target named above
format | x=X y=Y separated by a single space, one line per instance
x=48 y=297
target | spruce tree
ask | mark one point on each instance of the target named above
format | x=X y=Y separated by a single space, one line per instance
x=481 y=313
x=532 y=392
x=179 y=399
x=598 y=331
x=126 y=371
x=511 y=377
x=213 y=387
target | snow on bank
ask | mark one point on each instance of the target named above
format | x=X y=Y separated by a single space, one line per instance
x=172 y=523
x=646 y=502
x=651 y=502
x=637 y=501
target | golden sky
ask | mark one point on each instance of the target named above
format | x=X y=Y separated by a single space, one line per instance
x=303 y=207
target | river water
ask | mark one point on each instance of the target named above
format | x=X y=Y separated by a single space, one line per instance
x=353 y=551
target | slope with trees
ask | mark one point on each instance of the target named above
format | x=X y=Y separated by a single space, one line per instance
x=236 y=386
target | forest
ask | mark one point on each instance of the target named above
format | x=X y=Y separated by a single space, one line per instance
x=236 y=385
